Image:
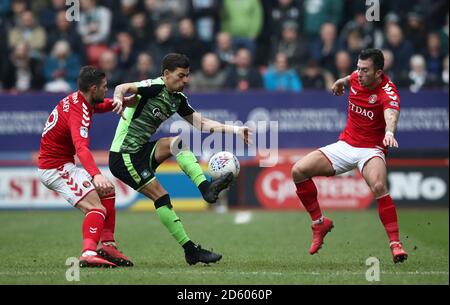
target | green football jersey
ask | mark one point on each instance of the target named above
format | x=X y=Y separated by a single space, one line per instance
x=155 y=106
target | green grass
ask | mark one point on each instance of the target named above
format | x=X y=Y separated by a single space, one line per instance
x=270 y=249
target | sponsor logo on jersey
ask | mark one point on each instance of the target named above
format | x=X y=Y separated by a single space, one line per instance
x=157 y=113
x=393 y=104
x=86 y=184
x=84 y=132
x=360 y=110
x=373 y=99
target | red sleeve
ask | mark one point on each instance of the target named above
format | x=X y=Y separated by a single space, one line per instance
x=391 y=97
x=106 y=106
x=80 y=122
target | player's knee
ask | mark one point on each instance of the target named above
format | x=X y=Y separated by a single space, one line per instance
x=163 y=201
x=379 y=189
x=97 y=207
x=298 y=172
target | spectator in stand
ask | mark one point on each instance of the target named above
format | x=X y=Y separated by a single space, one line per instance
x=162 y=44
x=343 y=63
x=125 y=51
x=401 y=48
x=141 y=30
x=445 y=73
x=280 y=77
x=313 y=76
x=66 y=30
x=31 y=32
x=244 y=21
x=225 y=49
x=318 y=12
x=324 y=49
x=206 y=15
x=433 y=57
x=443 y=33
x=170 y=11
x=18 y=7
x=284 y=11
x=22 y=72
x=61 y=69
x=293 y=45
x=47 y=16
x=123 y=16
x=189 y=44
x=354 y=45
x=243 y=76
x=416 y=31
x=210 y=77
x=366 y=29
x=95 y=22
x=143 y=69
x=418 y=75
x=108 y=64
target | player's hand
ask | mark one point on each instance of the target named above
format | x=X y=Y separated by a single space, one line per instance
x=245 y=133
x=102 y=185
x=389 y=140
x=118 y=107
x=338 y=88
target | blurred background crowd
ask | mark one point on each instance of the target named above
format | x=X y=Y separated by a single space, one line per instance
x=274 y=45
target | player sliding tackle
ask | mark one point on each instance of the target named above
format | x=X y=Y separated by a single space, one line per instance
x=134 y=160
x=67 y=133
x=373 y=112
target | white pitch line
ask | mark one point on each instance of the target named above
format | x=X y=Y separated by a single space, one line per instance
x=270 y=273
x=243 y=217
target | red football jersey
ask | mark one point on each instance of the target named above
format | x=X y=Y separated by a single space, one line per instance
x=66 y=133
x=366 y=124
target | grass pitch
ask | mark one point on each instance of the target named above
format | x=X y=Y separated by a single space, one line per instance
x=271 y=248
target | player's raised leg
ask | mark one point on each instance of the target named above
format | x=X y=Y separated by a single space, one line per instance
x=173 y=146
x=92 y=229
x=312 y=165
x=108 y=247
x=193 y=253
x=375 y=173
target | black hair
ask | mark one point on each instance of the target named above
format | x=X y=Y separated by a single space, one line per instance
x=172 y=61
x=88 y=77
x=375 y=55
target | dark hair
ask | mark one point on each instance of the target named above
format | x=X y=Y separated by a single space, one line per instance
x=172 y=61
x=375 y=55
x=88 y=77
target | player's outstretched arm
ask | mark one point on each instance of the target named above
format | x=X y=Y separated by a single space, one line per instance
x=205 y=124
x=338 y=87
x=119 y=92
x=391 y=117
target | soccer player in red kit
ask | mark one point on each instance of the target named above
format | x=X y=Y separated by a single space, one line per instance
x=65 y=134
x=373 y=112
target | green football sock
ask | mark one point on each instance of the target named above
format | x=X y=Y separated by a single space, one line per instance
x=171 y=221
x=189 y=164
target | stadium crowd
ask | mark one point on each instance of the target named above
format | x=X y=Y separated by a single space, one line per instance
x=285 y=45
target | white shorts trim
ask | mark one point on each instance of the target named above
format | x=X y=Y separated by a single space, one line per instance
x=344 y=157
x=71 y=182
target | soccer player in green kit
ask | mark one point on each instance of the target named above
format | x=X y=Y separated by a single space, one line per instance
x=134 y=160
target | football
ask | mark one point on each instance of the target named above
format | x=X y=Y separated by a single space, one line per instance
x=222 y=163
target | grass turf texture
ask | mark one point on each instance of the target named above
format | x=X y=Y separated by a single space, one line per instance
x=270 y=249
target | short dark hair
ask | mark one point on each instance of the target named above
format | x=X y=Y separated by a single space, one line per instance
x=375 y=55
x=88 y=77
x=172 y=61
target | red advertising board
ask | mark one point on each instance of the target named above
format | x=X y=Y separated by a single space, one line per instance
x=274 y=189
